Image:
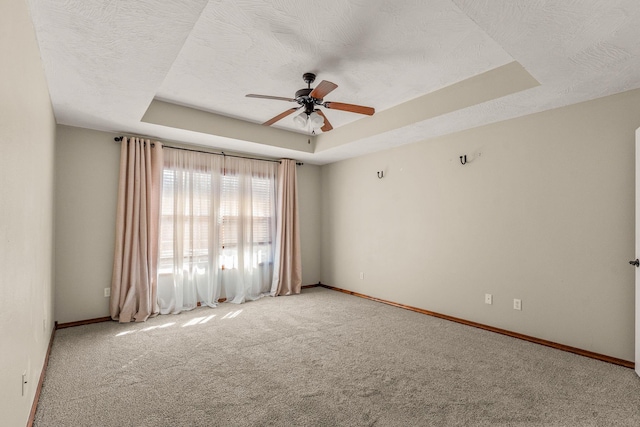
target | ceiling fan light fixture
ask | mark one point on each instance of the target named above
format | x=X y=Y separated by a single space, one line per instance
x=301 y=120
x=316 y=120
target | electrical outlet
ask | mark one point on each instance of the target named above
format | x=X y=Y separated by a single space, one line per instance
x=107 y=292
x=488 y=299
x=361 y=275
x=517 y=304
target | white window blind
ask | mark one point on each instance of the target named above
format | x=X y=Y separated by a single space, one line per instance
x=217 y=219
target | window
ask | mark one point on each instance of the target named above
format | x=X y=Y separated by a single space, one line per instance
x=193 y=213
x=259 y=229
x=217 y=229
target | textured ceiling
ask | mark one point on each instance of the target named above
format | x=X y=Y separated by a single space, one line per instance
x=379 y=53
x=106 y=62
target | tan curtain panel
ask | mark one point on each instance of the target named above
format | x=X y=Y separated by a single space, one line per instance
x=135 y=263
x=287 y=275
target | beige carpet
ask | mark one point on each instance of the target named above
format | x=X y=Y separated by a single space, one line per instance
x=322 y=358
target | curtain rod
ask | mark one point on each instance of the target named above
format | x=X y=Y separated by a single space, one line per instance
x=119 y=138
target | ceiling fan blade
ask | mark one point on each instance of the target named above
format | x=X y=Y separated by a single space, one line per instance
x=279 y=98
x=350 y=107
x=327 y=126
x=280 y=116
x=322 y=89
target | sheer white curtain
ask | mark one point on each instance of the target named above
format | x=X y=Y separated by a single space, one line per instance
x=248 y=212
x=189 y=227
x=217 y=230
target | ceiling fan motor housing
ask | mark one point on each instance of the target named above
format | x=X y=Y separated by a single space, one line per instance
x=303 y=93
x=303 y=98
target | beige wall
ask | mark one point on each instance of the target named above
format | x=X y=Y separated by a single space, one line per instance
x=543 y=212
x=87 y=168
x=87 y=164
x=27 y=135
x=309 y=192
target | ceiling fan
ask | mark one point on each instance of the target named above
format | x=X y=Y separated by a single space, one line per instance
x=308 y=99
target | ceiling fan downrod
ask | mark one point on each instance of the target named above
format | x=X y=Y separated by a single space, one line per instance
x=309 y=78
